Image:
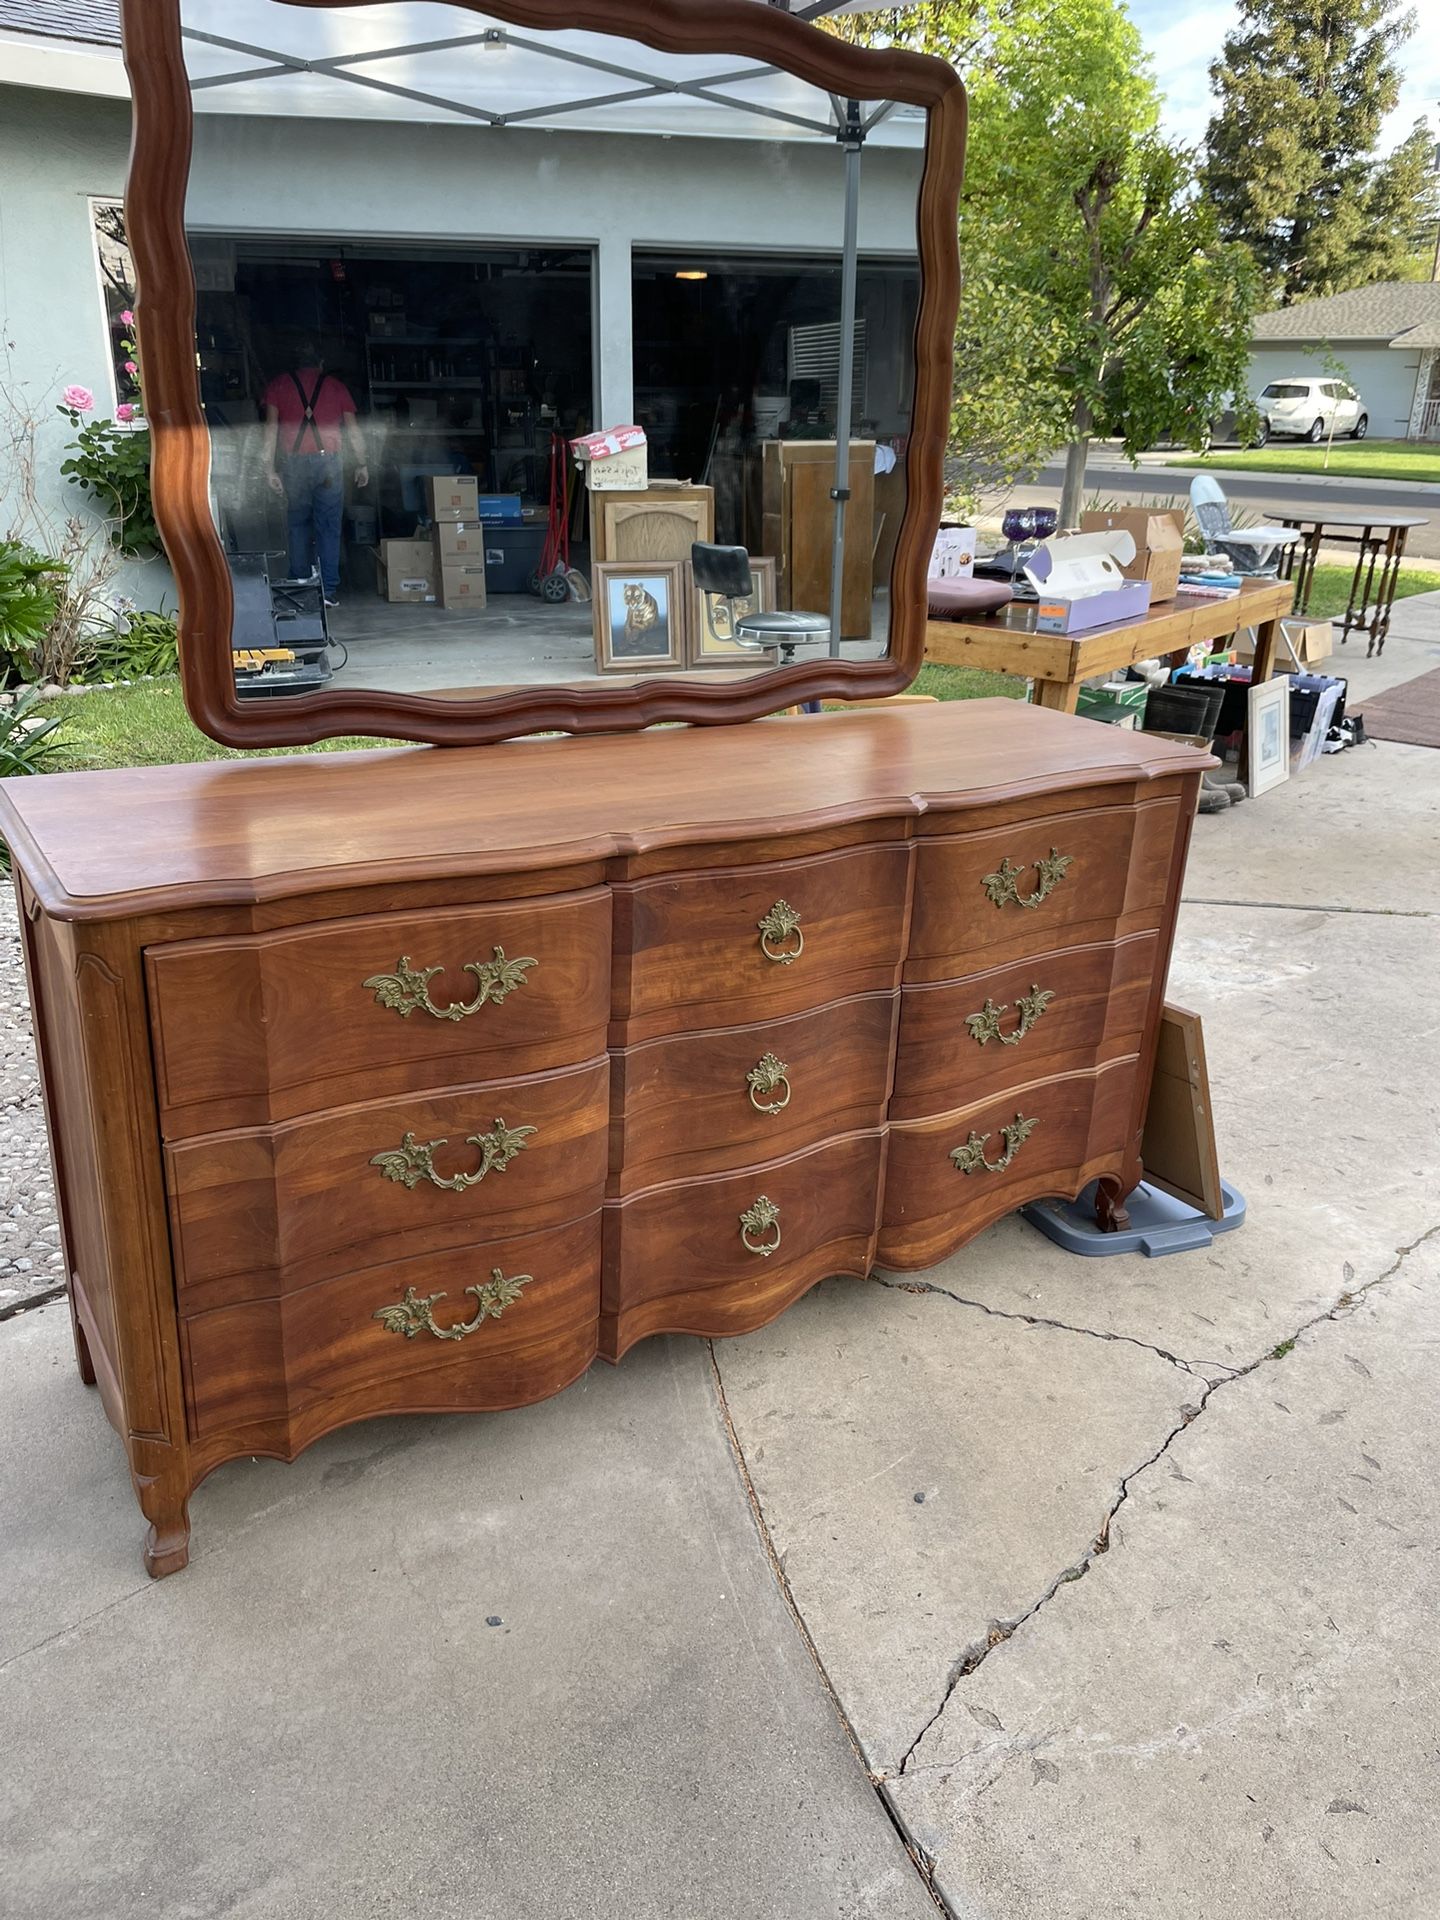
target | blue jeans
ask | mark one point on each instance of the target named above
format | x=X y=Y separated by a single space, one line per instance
x=314 y=495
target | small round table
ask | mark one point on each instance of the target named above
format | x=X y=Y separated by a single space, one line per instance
x=1379 y=542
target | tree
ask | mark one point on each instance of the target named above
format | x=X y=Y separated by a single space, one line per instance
x=1304 y=87
x=1098 y=296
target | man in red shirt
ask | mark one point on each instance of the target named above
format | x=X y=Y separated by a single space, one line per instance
x=309 y=417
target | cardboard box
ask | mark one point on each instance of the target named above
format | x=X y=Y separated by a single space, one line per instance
x=460 y=543
x=1080 y=584
x=613 y=461
x=1313 y=640
x=452 y=496
x=1119 y=703
x=408 y=572
x=1159 y=536
x=462 y=586
x=503 y=509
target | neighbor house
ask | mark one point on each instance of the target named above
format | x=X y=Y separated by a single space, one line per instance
x=1386 y=337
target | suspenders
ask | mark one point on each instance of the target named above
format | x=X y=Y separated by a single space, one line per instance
x=307 y=401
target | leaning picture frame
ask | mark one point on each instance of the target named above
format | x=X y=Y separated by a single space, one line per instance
x=1267 y=735
x=712 y=635
x=640 y=615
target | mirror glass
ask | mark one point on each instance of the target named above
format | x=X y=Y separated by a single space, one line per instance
x=434 y=250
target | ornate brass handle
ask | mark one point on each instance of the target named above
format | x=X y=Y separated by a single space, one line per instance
x=407 y=990
x=1002 y=887
x=781 y=925
x=985 y=1025
x=413 y=1315
x=971 y=1157
x=768 y=1075
x=763 y=1218
x=410 y=1162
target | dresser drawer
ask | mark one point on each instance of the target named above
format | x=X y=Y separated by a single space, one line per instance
x=753 y=943
x=1028 y=888
x=367 y=1342
x=706 y=1102
x=270 y=1209
x=970 y=1039
x=273 y=1025
x=725 y=1255
x=948 y=1178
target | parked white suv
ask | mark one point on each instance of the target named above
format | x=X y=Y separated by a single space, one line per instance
x=1308 y=409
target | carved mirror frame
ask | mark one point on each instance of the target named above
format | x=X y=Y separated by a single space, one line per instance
x=180 y=444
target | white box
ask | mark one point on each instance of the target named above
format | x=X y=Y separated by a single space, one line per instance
x=614 y=461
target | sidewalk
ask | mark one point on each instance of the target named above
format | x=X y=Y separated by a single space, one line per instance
x=1116 y=1577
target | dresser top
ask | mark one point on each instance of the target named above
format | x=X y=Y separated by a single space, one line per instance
x=109 y=845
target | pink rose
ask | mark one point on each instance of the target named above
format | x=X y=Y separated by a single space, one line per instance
x=79 y=399
x=125 y=412
x=127 y=318
x=130 y=367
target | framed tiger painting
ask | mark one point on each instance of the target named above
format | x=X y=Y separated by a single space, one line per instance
x=639 y=615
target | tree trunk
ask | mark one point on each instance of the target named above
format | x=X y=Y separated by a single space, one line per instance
x=1072 y=499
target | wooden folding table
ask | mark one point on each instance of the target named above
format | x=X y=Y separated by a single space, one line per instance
x=1006 y=642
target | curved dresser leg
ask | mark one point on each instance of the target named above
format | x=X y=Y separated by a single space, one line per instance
x=167 y=1539
x=82 y=1347
x=1110 y=1197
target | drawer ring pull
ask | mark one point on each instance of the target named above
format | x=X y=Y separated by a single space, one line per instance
x=1002 y=887
x=414 y=1315
x=985 y=1025
x=757 y=1221
x=407 y=990
x=780 y=925
x=768 y=1075
x=971 y=1157
x=411 y=1162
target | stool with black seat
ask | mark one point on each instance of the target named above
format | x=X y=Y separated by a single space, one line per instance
x=725 y=572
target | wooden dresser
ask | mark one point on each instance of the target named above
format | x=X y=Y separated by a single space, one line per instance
x=413 y=1080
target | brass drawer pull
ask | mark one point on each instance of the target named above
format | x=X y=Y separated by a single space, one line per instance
x=985 y=1025
x=414 y=1315
x=407 y=990
x=971 y=1157
x=768 y=1075
x=410 y=1162
x=763 y=1218
x=780 y=925
x=1002 y=887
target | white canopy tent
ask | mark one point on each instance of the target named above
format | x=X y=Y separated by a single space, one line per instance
x=420 y=61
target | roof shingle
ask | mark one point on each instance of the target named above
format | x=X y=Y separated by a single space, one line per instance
x=95 y=21
x=1377 y=312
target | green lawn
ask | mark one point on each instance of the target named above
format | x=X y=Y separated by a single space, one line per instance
x=1349 y=459
x=1331 y=588
x=147 y=726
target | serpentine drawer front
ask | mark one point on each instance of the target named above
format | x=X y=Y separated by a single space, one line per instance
x=639 y=1035
x=1021 y=1022
x=279 y=1024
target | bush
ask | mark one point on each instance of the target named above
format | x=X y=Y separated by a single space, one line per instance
x=145 y=646
x=112 y=462
x=28 y=742
x=31 y=587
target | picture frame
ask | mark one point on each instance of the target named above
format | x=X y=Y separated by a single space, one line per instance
x=1267 y=735
x=711 y=644
x=640 y=616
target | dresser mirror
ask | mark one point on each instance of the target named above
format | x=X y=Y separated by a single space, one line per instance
x=394 y=261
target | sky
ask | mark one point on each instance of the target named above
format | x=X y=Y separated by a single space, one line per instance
x=1184 y=36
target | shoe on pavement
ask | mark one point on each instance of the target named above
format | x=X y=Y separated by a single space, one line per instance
x=1214 y=800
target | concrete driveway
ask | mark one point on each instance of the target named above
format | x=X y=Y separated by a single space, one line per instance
x=1034 y=1586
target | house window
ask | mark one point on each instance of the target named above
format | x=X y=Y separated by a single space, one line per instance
x=117 y=292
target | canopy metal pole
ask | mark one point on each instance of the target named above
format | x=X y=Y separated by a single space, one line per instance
x=852 y=140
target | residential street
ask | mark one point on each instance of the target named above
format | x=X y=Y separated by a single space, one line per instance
x=1111 y=477
x=1109 y=1584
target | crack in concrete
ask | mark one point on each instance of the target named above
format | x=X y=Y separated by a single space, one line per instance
x=1192 y=1367
x=46 y=1299
x=999 y=1632
x=922 y=1864
x=1312 y=906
